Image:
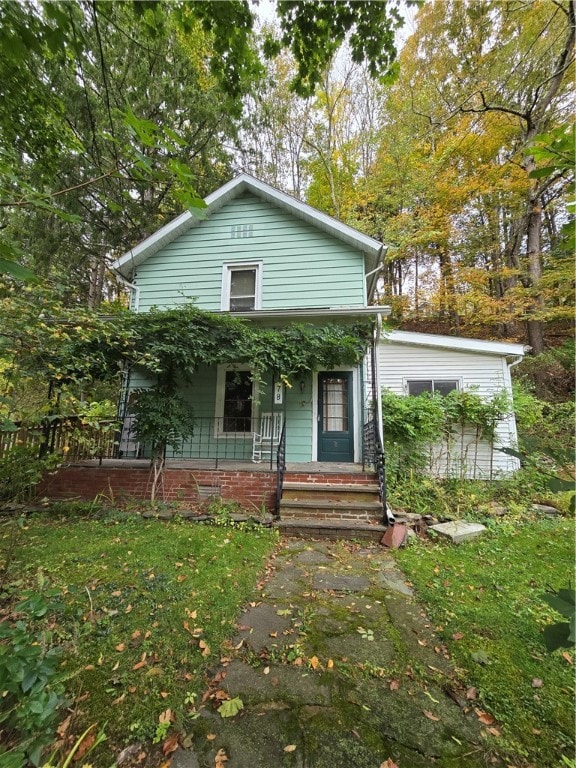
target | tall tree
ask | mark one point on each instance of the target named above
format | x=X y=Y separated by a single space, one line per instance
x=509 y=59
x=454 y=174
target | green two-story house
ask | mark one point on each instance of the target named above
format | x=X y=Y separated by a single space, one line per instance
x=263 y=255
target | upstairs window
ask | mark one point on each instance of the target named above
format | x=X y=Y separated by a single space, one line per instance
x=241 y=287
x=433 y=386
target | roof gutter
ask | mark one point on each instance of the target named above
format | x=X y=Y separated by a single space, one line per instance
x=263 y=314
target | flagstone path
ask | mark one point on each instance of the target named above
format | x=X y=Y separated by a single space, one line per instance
x=336 y=666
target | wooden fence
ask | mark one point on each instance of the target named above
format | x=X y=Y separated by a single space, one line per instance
x=70 y=437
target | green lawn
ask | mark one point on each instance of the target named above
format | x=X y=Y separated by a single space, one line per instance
x=143 y=609
x=483 y=597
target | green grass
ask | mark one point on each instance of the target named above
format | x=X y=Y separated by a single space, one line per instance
x=144 y=609
x=487 y=594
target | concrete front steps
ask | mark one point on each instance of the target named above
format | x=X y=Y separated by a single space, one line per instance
x=339 y=507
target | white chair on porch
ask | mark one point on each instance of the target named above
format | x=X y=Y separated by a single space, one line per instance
x=129 y=446
x=267 y=437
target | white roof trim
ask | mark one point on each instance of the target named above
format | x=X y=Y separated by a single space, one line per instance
x=263 y=314
x=234 y=188
x=501 y=348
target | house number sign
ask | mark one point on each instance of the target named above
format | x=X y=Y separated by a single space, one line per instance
x=278 y=393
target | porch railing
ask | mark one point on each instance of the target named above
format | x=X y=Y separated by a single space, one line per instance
x=214 y=439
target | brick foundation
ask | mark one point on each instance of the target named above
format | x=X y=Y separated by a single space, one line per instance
x=189 y=486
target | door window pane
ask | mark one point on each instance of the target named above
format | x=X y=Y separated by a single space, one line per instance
x=335 y=405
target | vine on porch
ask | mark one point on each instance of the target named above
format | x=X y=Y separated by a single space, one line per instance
x=73 y=349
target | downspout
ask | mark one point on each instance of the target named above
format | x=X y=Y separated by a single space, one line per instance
x=135 y=291
x=378 y=267
x=377 y=377
x=515 y=361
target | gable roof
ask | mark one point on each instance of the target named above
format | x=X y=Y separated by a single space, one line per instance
x=233 y=189
x=458 y=344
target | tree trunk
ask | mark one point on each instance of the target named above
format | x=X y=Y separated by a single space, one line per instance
x=535 y=327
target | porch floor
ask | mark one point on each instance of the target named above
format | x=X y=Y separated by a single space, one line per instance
x=309 y=467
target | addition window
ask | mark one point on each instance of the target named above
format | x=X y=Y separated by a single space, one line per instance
x=241 y=287
x=433 y=386
x=234 y=401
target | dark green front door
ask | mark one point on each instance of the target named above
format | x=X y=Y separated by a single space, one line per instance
x=335 y=417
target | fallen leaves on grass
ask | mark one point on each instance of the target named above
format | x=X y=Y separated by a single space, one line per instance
x=430 y=715
x=290 y=748
x=567 y=657
x=141 y=663
x=537 y=683
x=389 y=764
x=231 y=707
x=86 y=743
x=314 y=662
x=394 y=685
x=220 y=758
x=170 y=744
x=485 y=717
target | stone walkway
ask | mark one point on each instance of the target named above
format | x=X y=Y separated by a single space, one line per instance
x=336 y=667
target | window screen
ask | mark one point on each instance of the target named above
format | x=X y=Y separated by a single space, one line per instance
x=242 y=289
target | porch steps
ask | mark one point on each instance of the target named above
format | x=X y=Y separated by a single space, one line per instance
x=332 y=509
x=330 y=529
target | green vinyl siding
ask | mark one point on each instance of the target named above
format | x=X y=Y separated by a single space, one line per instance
x=302 y=266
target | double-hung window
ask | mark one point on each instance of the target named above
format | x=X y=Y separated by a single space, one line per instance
x=433 y=386
x=241 y=287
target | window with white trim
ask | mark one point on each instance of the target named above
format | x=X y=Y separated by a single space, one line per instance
x=241 y=287
x=235 y=399
x=433 y=386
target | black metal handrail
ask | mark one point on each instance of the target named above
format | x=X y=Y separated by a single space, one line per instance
x=280 y=468
x=380 y=467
